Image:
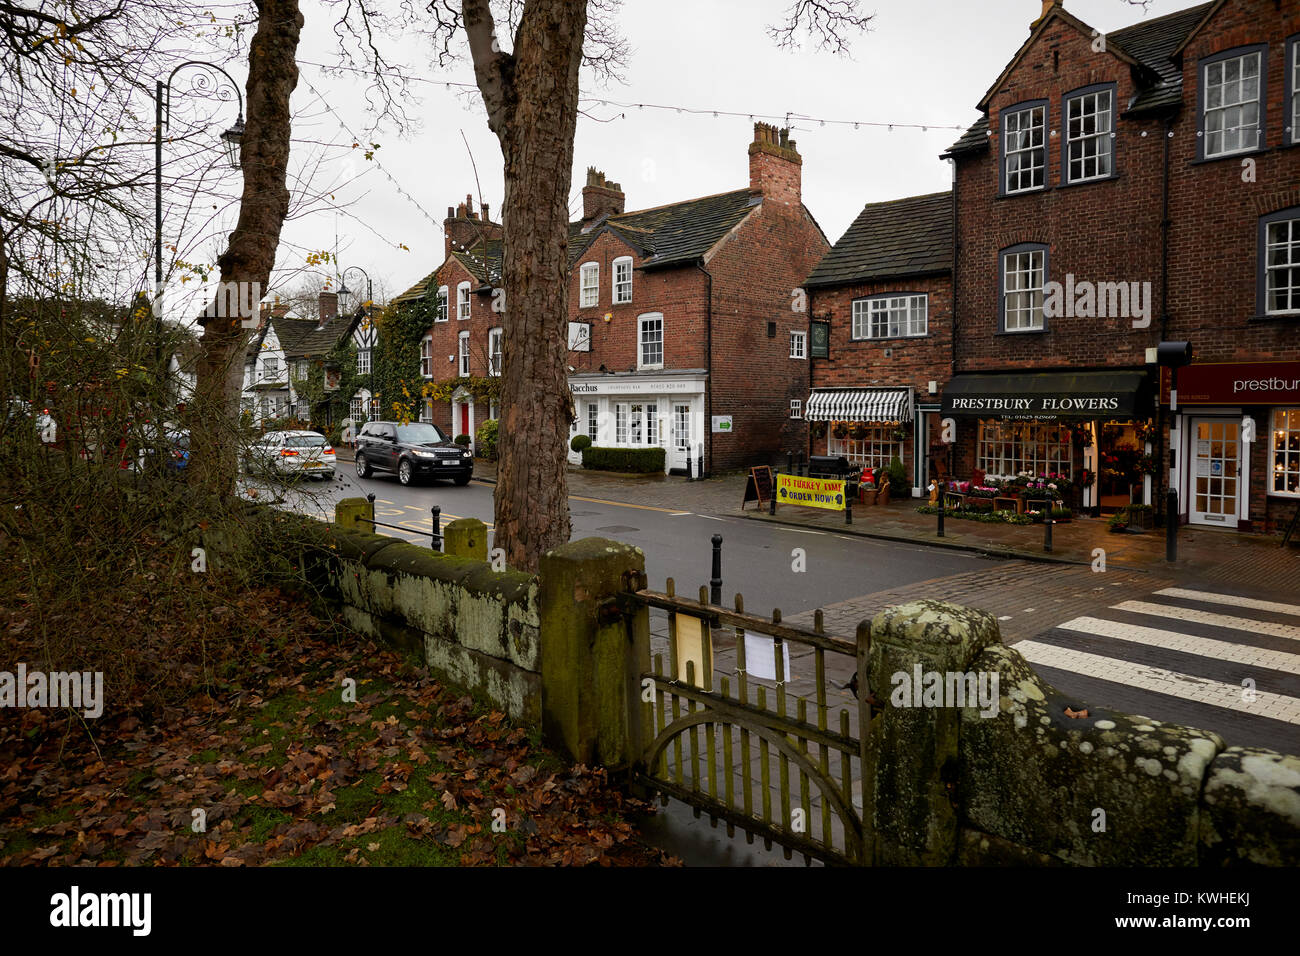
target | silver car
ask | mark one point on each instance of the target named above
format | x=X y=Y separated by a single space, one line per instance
x=294 y=453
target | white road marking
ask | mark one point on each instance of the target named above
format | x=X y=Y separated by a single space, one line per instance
x=1209 y=597
x=678 y=514
x=799 y=530
x=1205 y=617
x=1161 y=681
x=1175 y=641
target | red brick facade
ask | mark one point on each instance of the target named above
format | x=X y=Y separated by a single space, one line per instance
x=1110 y=230
x=912 y=362
x=727 y=310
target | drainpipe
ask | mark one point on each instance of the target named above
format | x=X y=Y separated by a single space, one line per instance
x=952 y=351
x=1164 y=317
x=708 y=366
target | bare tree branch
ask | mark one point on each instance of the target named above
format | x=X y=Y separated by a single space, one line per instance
x=828 y=24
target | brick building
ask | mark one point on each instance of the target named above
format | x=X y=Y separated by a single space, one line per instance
x=1122 y=190
x=679 y=315
x=881 y=302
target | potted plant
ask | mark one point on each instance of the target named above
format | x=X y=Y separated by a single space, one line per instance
x=1061 y=514
x=840 y=431
x=817 y=429
x=1141 y=516
x=858 y=432
x=897 y=474
x=883 y=484
x=981 y=497
x=899 y=434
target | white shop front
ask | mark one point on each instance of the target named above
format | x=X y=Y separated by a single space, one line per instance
x=642 y=410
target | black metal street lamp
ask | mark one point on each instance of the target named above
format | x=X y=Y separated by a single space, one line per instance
x=208 y=84
x=370 y=286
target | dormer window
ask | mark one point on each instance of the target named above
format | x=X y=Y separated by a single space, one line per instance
x=1024 y=149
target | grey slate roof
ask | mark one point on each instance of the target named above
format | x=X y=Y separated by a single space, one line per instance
x=674 y=234
x=1152 y=43
x=903 y=237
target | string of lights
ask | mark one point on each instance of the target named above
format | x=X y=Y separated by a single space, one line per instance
x=378 y=165
x=686 y=110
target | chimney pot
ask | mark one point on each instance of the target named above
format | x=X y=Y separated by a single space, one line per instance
x=775 y=166
x=600 y=197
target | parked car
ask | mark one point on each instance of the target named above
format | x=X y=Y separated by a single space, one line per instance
x=293 y=453
x=417 y=450
x=42 y=423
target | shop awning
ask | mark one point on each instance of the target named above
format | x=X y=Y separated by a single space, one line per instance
x=1050 y=395
x=859 y=405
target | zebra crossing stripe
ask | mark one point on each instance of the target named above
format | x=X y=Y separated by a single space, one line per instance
x=1209 y=597
x=1206 y=617
x=1187 y=643
x=1161 y=681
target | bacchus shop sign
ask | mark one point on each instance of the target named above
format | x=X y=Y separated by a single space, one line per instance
x=1048 y=395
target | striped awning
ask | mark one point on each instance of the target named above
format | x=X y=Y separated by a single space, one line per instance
x=859 y=405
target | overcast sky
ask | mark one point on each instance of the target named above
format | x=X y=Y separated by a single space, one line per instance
x=925 y=62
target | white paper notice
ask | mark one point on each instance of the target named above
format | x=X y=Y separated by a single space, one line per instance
x=760 y=656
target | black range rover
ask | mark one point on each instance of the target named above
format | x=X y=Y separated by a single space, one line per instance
x=417 y=450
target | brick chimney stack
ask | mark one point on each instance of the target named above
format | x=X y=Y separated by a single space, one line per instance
x=329 y=308
x=775 y=167
x=1048 y=5
x=600 y=198
x=464 y=228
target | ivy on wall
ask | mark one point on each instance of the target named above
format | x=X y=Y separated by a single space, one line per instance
x=395 y=378
x=333 y=405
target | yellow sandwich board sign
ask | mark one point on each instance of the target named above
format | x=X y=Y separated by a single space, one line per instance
x=810 y=492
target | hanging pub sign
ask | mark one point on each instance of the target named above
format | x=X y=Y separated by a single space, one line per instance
x=333 y=377
x=820 y=333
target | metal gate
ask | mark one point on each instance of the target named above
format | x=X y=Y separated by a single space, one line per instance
x=780 y=757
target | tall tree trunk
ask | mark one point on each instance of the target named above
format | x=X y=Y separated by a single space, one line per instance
x=532 y=100
x=250 y=255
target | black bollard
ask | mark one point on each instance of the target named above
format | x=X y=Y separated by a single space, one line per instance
x=688 y=467
x=699 y=467
x=942 y=496
x=715 y=583
x=771 y=505
x=1171 y=525
x=849 y=492
x=436 y=513
x=1047 y=528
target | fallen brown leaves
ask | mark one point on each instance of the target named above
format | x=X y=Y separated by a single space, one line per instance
x=277 y=767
